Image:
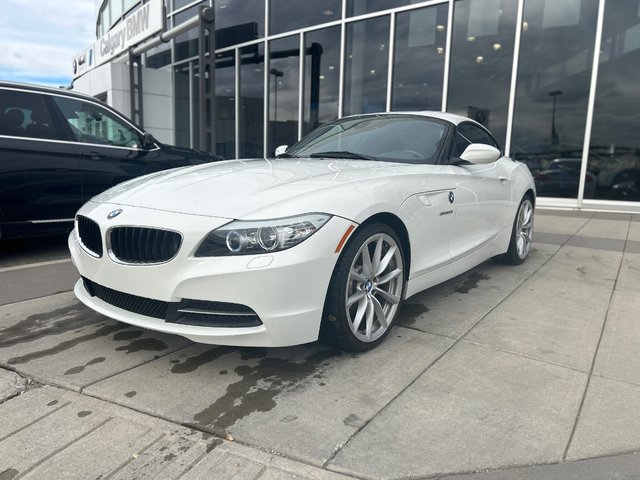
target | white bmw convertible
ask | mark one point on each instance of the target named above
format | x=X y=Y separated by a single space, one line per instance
x=328 y=238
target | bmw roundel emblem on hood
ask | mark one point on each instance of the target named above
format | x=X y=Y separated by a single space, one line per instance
x=114 y=213
x=452 y=197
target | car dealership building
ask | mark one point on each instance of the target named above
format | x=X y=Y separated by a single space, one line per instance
x=556 y=81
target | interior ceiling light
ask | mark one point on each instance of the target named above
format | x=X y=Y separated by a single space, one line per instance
x=497 y=46
x=328 y=12
x=440 y=28
x=331 y=67
x=479 y=59
x=525 y=26
x=440 y=50
x=471 y=38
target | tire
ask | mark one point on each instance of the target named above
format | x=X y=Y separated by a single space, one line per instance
x=363 y=301
x=521 y=234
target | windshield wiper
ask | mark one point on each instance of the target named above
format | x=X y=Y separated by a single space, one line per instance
x=287 y=155
x=342 y=154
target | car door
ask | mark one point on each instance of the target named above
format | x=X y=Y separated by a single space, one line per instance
x=482 y=194
x=110 y=148
x=40 y=178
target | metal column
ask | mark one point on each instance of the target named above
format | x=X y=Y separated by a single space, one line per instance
x=207 y=80
x=135 y=87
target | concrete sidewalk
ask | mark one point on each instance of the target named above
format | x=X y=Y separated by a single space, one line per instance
x=515 y=372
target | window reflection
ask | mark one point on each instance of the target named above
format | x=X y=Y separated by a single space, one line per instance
x=419 y=58
x=284 y=78
x=367 y=58
x=360 y=7
x=181 y=80
x=225 y=112
x=289 y=15
x=552 y=91
x=614 y=155
x=187 y=43
x=251 y=134
x=238 y=21
x=481 y=62
x=321 y=77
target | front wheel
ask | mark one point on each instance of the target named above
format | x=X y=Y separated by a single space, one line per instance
x=521 y=234
x=366 y=289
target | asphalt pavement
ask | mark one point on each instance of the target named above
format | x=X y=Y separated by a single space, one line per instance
x=527 y=372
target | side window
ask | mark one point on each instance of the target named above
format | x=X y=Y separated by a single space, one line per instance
x=25 y=114
x=476 y=134
x=460 y=143
x=90 y=123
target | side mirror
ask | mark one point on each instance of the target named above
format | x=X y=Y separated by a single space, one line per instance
x=147 y=141
x=480 y=154
x=281 y=149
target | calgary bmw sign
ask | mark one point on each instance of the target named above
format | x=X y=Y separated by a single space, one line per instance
x=139 y=25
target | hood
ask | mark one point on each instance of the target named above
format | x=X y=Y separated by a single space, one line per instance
x=259 y=188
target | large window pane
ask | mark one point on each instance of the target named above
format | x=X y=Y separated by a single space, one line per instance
x=251 y=95
x=321 y=77
x=360 y=7
x=187 y=43
x=293 y=14
x=552 y=91
x=225 y=111
x=365 y=88
x=614 y=156
x=284 y=78
x=419 y=59
x=481 y=62
x=238 y=21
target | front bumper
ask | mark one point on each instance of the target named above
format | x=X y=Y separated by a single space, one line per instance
x=286 y=289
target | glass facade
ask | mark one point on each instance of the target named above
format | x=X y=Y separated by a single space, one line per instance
x=559 y=103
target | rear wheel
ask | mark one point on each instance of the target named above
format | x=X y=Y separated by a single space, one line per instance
x=366 y=289
x=521 y=234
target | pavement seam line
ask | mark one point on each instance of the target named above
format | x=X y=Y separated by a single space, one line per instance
x=595 y=353
x=456 y=342
x=139 y=452
x=33 y=422
x=34 y=265
x=64 y=447
x=156 y=357
x=192 y=464
x=528 y=357
x=36 y=298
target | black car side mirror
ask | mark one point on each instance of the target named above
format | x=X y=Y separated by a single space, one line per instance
x=148 y=142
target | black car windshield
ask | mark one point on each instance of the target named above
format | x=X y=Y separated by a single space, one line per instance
x=393 y=138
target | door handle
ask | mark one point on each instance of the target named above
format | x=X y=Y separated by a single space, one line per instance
x=92 y=155
x=503 y=179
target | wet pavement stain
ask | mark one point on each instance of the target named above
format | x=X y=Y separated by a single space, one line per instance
x=471 y=282
x=410 y=312
x=143 y=344
x=131 y=394
x=41 y=325
x=9 y=473
x=81 y=368
x=84 y=413
x=128 y=335
x=274 y=375
x=62 y=346
x=191 y=364
x=352 y=420
x=169 y=457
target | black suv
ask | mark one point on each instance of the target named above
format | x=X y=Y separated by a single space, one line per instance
x=58 y=149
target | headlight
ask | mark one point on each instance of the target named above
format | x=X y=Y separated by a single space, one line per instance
x=262 y=236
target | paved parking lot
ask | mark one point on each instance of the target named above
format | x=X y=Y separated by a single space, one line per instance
x=512 y=372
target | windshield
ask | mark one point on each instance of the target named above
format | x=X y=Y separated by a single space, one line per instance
x=395 y=138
